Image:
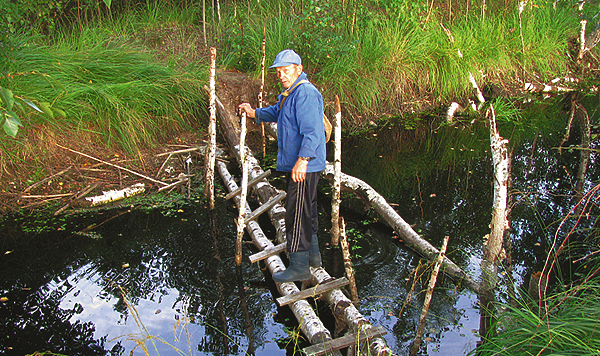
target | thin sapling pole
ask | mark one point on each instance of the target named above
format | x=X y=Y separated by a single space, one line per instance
x=242 y=203
x=209 y=163
x=337 y=180
x=262 y=86
x=348 y=262
x=421 y=328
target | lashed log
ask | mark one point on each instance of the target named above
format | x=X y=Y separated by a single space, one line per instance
x=309 y=322
x=265 y=192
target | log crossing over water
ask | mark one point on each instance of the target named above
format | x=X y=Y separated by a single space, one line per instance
x=324 y=286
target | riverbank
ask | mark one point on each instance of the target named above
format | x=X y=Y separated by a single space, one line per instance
x=126 y=88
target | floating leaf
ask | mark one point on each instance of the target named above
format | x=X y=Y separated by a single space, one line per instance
x=125 y=265
x=3 y=299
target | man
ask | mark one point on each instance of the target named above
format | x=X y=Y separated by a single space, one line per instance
x=301 y=154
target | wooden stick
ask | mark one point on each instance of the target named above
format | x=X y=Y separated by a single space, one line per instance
x=242 y=203
x=112 y=165
x=209 y=163
x=337 y=169
x=179 y=151
x=262 y=86
x=417 y=343
x=46 y=196
x=348 y=262
x=46 y=179
x=88 y=189
x=163 y=165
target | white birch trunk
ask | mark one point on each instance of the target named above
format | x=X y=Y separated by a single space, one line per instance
x=337 y=168
x=209 y=191
x=242 y=201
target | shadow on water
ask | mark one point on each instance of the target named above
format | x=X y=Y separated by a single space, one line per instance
x=63 y=279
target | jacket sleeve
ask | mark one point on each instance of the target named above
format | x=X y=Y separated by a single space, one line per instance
x=309 y=113
x=268 y=114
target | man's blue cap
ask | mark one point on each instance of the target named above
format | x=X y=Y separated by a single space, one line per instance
x=285 y=58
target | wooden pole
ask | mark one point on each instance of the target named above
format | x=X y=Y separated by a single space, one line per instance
x=204 y=21
x=337 y=169
x=348 y=262
x=421 y=328
x=209 y=163
x=242 y=202
x=262 y=86
x=493 y=251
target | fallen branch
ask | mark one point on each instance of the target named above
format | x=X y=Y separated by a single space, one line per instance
x=78 y=196
x=46 y=179
x=421 y=328
x=113 y=165
x=113 y=195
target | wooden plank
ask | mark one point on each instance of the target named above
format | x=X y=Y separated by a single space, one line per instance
x=266 y=206
x=310 y=292
x=268 y=252
x=344 y=341
x=251 y=183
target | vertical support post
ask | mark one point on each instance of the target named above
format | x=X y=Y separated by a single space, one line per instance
x=493 y=251
x=204 y=21
x=262 y=87
x=337 y=176
x=241 y=224
x=348 y=262
x=421 y=328
x=209 y=162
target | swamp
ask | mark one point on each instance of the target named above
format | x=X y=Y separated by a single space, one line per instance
x=94 y=101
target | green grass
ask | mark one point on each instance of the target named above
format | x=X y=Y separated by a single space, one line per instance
x=378 y=63
x=105 y=82
x=571 y=329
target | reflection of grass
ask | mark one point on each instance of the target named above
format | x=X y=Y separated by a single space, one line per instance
x=144 y=336
x=141 y=338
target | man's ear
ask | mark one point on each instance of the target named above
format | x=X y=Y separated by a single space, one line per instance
x=300 y=68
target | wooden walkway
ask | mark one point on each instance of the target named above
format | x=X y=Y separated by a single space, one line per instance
x=360 y=332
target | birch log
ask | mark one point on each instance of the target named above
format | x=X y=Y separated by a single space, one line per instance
x=348 y=262
x=309 y=322
x=242 y=201
x=209 y=162
x=410 y=237
x=264 y=192
x=337 y=166
x=493 y=252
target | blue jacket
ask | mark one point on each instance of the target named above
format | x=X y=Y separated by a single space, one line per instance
x=300 y=128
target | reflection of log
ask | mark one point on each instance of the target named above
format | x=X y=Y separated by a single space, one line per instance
x=310 y=324
x=412 y=239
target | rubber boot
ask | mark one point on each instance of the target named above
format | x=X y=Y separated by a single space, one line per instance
x=297 y=271
x=314 y=256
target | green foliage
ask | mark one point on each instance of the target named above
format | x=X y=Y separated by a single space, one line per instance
x=570 y=328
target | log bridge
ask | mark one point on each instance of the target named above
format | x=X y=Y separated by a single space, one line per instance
x=361 y=336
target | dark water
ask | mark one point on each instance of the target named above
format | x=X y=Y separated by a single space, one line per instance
x=164 y=279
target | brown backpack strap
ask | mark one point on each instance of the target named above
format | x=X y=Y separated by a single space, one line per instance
x=289 y=91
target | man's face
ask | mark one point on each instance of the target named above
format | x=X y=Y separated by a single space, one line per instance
x=287 y=75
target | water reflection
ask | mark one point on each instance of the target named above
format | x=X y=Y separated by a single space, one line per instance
x=175 y=265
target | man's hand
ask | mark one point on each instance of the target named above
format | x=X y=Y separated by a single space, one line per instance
x=299 y=170
x=251 y=113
